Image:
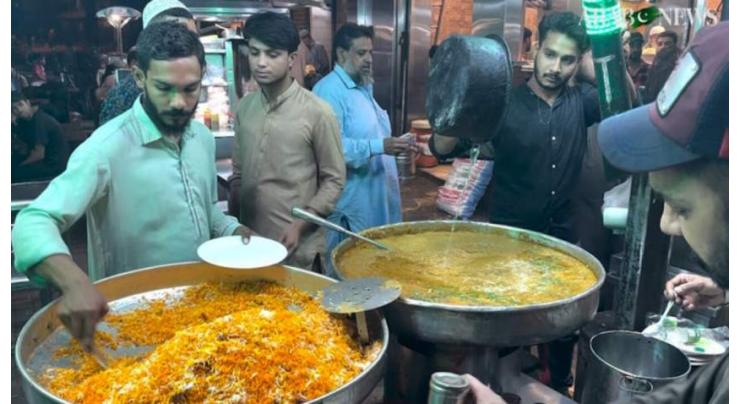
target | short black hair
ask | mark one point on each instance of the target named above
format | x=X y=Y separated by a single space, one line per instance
x=168 y=40
x=273 y=29
x=176 y=12
x=432 y=51
x=349 y=32
x=131 y=56
x=567 y=24
x=636 y=37
x=669 y=34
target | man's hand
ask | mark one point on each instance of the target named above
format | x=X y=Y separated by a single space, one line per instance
x=82 y=305
x=395 y=145
x=80 y=310
x=245 y=232
x=482 y=393
x=292 y=234
x=37 y=154
x=694 y=291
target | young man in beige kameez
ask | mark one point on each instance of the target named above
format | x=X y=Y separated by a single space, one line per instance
x=287 y=151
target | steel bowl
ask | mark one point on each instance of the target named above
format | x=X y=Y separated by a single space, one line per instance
x=486 y=325
x=44 y=332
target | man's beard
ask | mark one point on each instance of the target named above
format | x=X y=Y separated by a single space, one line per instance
x=718 y=264
x=367 y=78
x=164 y=127
x=717 y=268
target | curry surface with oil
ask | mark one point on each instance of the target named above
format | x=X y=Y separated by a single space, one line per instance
x=470 y=268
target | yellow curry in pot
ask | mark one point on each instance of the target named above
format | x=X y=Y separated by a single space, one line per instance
x=470 y=268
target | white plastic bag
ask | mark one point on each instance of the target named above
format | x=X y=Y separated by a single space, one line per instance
x=461 y=192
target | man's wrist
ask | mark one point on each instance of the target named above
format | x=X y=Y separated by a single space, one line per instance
x=239 y=228
x=62 y=272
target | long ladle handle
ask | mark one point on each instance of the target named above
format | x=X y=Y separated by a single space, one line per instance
x=308 y=216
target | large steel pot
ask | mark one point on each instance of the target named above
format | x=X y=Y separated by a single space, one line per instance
x=626 y=364
x=43 y=331
x=484 y=325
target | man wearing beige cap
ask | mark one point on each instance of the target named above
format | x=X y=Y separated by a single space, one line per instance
x=651 y=49
x=168 y=10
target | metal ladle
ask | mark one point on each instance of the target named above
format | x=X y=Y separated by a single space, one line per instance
x=358 y=296
x=656 y=328
x=310 y=217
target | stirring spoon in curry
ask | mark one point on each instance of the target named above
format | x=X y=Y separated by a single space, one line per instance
x=310 y=217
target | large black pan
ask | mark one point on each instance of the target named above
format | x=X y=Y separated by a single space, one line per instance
x=468 y=87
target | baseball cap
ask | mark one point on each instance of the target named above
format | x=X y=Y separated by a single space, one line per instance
x=689 y=119
x=156 y=7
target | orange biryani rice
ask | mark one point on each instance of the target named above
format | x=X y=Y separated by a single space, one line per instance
x=246 y=343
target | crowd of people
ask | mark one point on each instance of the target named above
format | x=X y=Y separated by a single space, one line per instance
x=327 y=151
x=65 y=87
x=650 y=77
x=146 y=179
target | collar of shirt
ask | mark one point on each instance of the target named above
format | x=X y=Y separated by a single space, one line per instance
x=291 y=91
x=148 y=131
x=348 y=82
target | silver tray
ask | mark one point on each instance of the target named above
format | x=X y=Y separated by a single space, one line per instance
x=44 y=333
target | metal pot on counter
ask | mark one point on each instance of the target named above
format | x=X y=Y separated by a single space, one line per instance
x=626 y=364
x=483 y=325
x=458 y=338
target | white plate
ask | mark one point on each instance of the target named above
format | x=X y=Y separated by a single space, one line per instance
x=701 y=363
x=709 y=348
x=230 y=252
x=678 y=336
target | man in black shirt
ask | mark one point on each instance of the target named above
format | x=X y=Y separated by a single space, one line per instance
x=540 y=147
x=39 y=149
